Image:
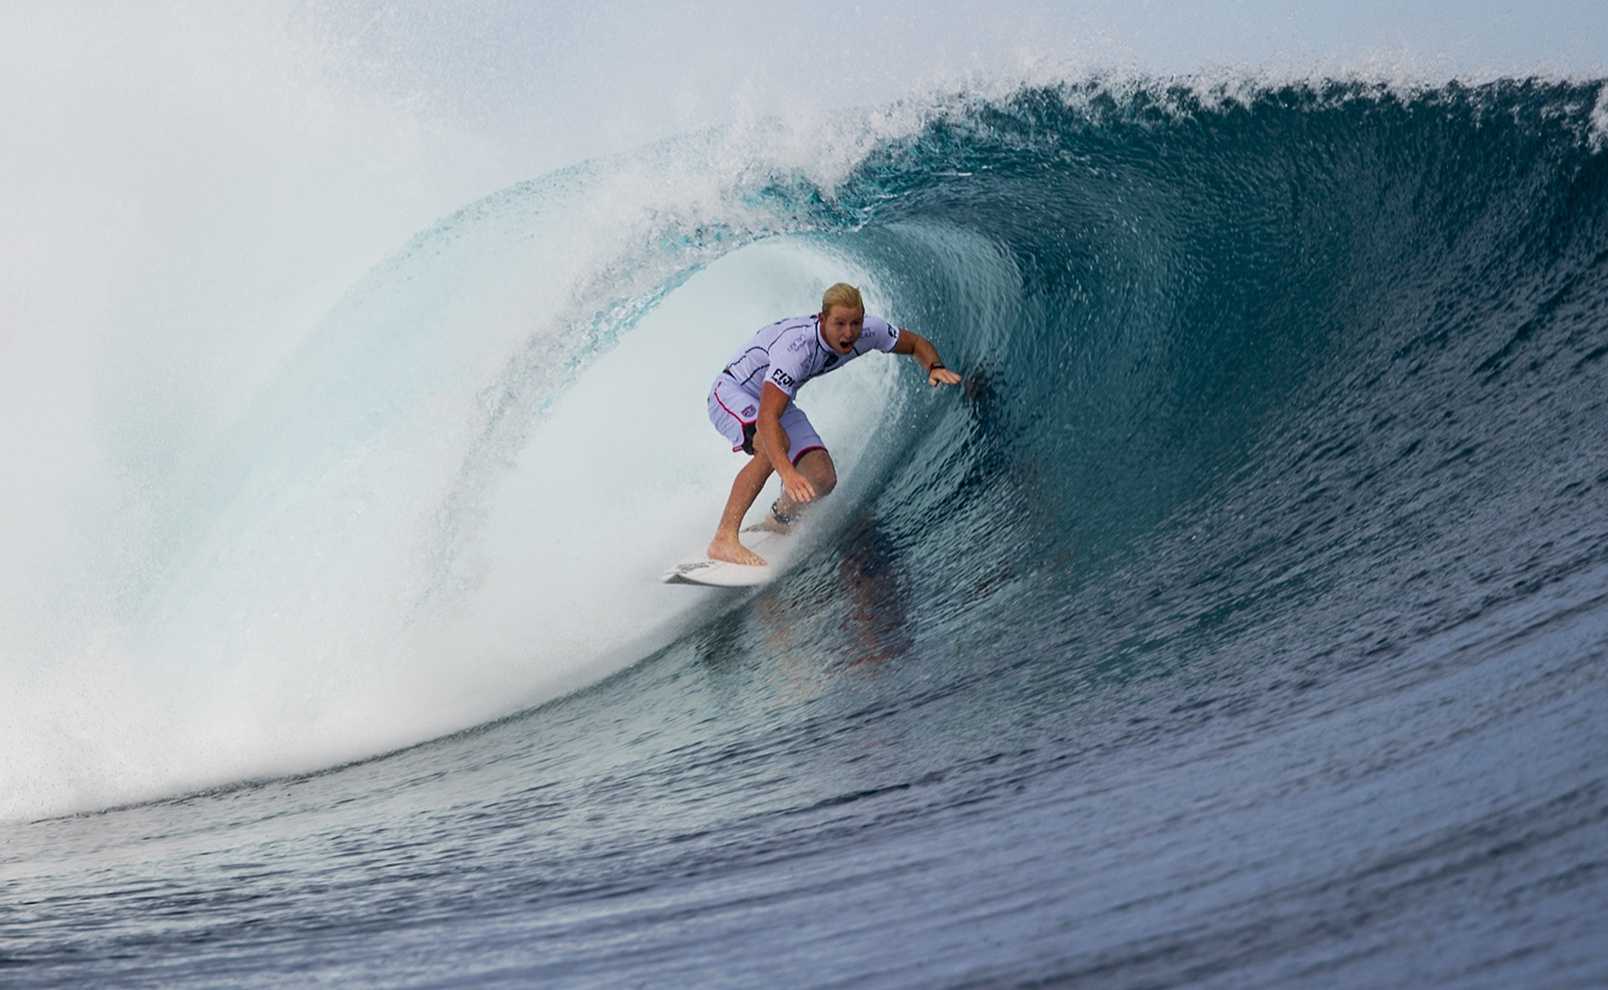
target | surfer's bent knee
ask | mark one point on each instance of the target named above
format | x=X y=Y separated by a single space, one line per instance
x=818 y=467
x=825 y=483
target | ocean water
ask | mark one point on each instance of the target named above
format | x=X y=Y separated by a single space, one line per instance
x=1241 y=620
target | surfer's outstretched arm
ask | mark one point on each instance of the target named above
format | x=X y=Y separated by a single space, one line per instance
x=926 y=355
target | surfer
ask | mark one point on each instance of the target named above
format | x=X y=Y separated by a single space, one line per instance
x=751 y=404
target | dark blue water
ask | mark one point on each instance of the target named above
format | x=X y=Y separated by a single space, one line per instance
x=1243 y=624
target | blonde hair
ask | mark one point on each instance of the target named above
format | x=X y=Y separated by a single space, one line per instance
x=841 y=294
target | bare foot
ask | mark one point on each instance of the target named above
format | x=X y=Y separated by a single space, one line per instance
x=733 y=552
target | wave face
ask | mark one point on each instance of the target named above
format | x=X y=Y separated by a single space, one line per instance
x=1304 y=381
x=1241 y=621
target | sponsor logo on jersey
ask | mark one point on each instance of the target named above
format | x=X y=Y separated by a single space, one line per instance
x=798 y=344
x=748 y=411
x=782 y=378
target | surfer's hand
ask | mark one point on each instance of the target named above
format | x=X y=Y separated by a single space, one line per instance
x=798 y=487
x=940 y=375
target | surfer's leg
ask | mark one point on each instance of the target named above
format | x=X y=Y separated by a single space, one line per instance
x=750 y=481
x=807 y=452
x=725 y=401
x=816 y=465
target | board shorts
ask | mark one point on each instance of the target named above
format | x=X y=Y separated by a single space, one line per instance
x=735 y=415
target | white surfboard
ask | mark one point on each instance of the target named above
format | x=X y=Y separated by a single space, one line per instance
x=720 y=574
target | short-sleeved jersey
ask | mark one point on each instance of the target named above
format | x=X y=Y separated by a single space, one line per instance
x=790 y=352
